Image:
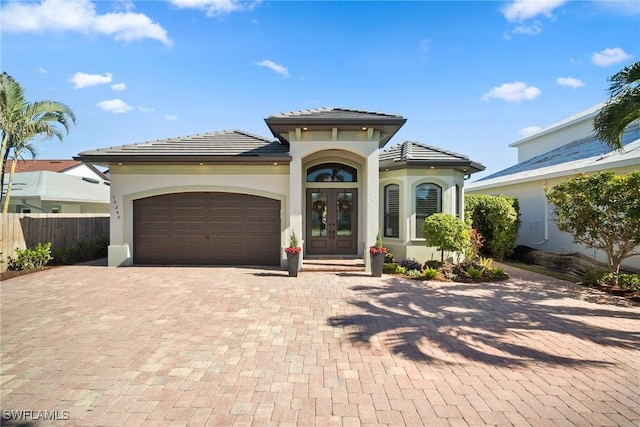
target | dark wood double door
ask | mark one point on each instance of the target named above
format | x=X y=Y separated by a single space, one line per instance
x=332 y=221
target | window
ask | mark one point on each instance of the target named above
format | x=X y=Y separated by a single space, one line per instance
x=56 y=209
x=428 y=202
x=392 y=210
x=332 y=172
x=458 y=202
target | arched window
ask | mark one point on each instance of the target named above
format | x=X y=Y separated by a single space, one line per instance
x=332 y=172
x=428 y=202
x=392 y=210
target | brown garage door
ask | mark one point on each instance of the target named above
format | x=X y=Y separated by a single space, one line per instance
x=206 y=228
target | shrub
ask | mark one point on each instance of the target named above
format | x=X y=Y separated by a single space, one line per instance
x=400 y=269
x=389 y=267
x=32 y=259
x=414 y=274
x=82 y=251
x=388 y=257
x=604 y=278
x=497 y=218
x=486 y=262
x=410 y=264
x=497 y=272
x=448 y=233
x=474 y=273
x=429 y=273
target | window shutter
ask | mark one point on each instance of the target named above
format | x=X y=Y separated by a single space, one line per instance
x=392 y=211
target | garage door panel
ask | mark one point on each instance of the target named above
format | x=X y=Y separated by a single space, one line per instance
x=207 y=228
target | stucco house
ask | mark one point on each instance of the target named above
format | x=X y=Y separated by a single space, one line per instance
x=234 y=198
x=554 y=154
x=63 y=166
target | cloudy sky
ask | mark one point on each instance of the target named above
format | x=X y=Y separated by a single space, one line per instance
x=470 y=77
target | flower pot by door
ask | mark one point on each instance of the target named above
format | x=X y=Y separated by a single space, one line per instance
x=377 y=262
x=293 y=260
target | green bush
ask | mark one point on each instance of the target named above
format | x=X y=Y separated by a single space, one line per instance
x=474 y=273
x=389 y=268
x=32 y=259
x=448 y=233
x=605 y=278
x=497 y=218
x=429 y=273
x=82 y=251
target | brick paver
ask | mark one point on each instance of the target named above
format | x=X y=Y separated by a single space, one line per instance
x=250 y=346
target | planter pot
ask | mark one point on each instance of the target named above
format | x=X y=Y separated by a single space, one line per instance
x=293 y=262
x=377 y=263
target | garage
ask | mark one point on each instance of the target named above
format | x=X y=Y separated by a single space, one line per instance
x=206 y=228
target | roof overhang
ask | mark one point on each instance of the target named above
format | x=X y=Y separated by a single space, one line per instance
x=467 y=167
x=387 y=126
x=106 y=159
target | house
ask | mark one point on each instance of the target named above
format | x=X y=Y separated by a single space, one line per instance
x=54 y=192
x=554 y=154
x=64 y=166
x=234 y=198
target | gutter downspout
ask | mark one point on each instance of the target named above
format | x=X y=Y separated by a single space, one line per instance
x=546 y=218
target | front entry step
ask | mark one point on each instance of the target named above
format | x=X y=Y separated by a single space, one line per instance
x=333 y=264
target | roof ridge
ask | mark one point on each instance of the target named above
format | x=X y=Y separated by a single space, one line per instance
x=438 y=149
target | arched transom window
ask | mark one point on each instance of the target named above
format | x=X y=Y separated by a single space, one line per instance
x=332 y=172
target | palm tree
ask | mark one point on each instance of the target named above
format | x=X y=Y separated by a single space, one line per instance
x=622 y=108
x=21 y=121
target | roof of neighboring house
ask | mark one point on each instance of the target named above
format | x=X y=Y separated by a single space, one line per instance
x=228 y=146
x=582 y=155
x=587 y=114
x=54 y=186
x=53 y=165
x=330 y=117
x=411 y=153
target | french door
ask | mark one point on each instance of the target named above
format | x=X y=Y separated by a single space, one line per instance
x=332 y=221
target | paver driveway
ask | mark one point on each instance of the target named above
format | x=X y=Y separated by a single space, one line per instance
x=226 y=346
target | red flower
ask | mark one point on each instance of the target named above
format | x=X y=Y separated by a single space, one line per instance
x=377 y=250
x=293 y=250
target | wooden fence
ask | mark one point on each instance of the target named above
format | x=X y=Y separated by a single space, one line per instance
x=27 y=230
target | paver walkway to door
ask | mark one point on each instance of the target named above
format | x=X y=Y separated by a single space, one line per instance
x=230 y=346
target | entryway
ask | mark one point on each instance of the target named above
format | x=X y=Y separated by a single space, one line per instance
x=332 y=221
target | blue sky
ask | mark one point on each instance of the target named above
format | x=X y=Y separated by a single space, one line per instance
x=469 y=76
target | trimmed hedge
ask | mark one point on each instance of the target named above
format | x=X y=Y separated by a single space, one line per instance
x=497 y=218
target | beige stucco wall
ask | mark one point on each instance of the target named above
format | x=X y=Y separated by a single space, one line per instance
x=130 y=182
x=309 y=148
x=408 y=246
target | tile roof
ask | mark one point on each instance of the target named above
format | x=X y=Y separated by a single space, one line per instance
x=343 y=119
x=43 y=165
x=411 y=153
x=581 y=149
x=54 y=186
x=231 y=146
x=332 y=113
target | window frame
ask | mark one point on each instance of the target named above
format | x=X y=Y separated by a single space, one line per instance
x=417 y=234
x=387 y=213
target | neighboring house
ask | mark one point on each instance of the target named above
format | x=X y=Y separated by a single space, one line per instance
x=65 y=166
x=234 y=198
x=53 y=192
x=552 y=155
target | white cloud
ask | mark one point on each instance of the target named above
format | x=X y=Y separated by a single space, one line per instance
x=118 y=86
x=569 y=82
x=609 y=56
x=170 y=117
x=521 y=10
x=80 y=16
x=117 y=106
x=273 y=66
x=41 y=70
x=513 y=92
x=216 y=7
x=146 y=109
x=626 y=7
x=82 y=80
x=528 y=131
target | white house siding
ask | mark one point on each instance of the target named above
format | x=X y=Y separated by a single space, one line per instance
x=538 y=229
x=407 y=245
x=131 y=182
x=85 y=171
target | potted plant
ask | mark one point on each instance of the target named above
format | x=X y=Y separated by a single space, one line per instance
x=293 y=255
x=377 y=252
